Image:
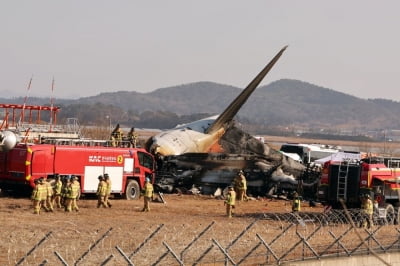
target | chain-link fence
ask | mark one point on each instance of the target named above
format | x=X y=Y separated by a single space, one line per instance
x=267 y=239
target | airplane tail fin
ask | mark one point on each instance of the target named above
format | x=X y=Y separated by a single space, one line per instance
x=235 y=106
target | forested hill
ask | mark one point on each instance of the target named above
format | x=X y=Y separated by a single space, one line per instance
x=281 y=103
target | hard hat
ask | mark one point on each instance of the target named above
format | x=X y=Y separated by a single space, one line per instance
x=147 y=179
x=367 y=196
x=240 y=171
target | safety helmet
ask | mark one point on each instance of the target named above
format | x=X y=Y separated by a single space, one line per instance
x=147 y=179
x=367 y=196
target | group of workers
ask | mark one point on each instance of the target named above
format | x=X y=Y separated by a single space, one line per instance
x=61 y=194
x=237 y=191
x=118 y=139
x=104 y=191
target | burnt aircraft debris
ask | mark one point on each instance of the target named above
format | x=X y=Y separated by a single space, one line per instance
x=208 y=153
x=267 y=170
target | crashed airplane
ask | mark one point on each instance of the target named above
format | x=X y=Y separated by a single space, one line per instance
x=207 y=153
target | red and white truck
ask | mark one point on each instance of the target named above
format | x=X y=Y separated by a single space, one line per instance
x=127 y=167
x=349 y=180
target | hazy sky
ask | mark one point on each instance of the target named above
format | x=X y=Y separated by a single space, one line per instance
x=94 y=46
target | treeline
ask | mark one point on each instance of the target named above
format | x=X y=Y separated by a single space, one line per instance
x=102 y=115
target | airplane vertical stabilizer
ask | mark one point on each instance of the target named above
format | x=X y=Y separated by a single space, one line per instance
x=235 y=106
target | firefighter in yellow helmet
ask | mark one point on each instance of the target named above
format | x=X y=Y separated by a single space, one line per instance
x=57 y=191
x=43 y=193
x=36 y=197
x=296 y=203
x=73 y=190
x=230 y=201
x=101 y=192
x=367 y=210
x=240 y=186
x=108 y=190
x=49 y=195
x=147 y=193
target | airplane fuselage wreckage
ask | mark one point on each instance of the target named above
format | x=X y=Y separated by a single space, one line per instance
x=208 y=153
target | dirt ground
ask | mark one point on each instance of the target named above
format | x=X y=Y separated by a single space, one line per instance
x=21 y=230
x=90 y=236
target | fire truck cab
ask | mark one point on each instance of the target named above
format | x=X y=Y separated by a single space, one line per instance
x=127 y=167
x=349 y=180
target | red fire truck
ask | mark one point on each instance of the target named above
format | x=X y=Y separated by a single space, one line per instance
x=127 y=167
x=349 y=180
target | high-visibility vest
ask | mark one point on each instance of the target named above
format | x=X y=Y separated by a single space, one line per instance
x=296 y=205
x=148 y=190
x=35 y=193
x=42 y=191
x=48 y=188
x=230 y=199
x=368 y=206
x=101 y=188
x=57 y=187
x=108 y=190
x=243 y=183
x=73 y=190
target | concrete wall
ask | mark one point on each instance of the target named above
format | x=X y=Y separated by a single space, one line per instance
x=366 y=260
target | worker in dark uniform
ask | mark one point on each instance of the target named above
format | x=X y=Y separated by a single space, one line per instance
x=132 y=138
x=116 y=136
x=64 y=190
x=296 y=203
x=367 y=210
x=147 y=193
x=230 y=201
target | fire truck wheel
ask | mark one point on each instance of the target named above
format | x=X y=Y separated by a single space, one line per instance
x=132 y=190
x=390 y=214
